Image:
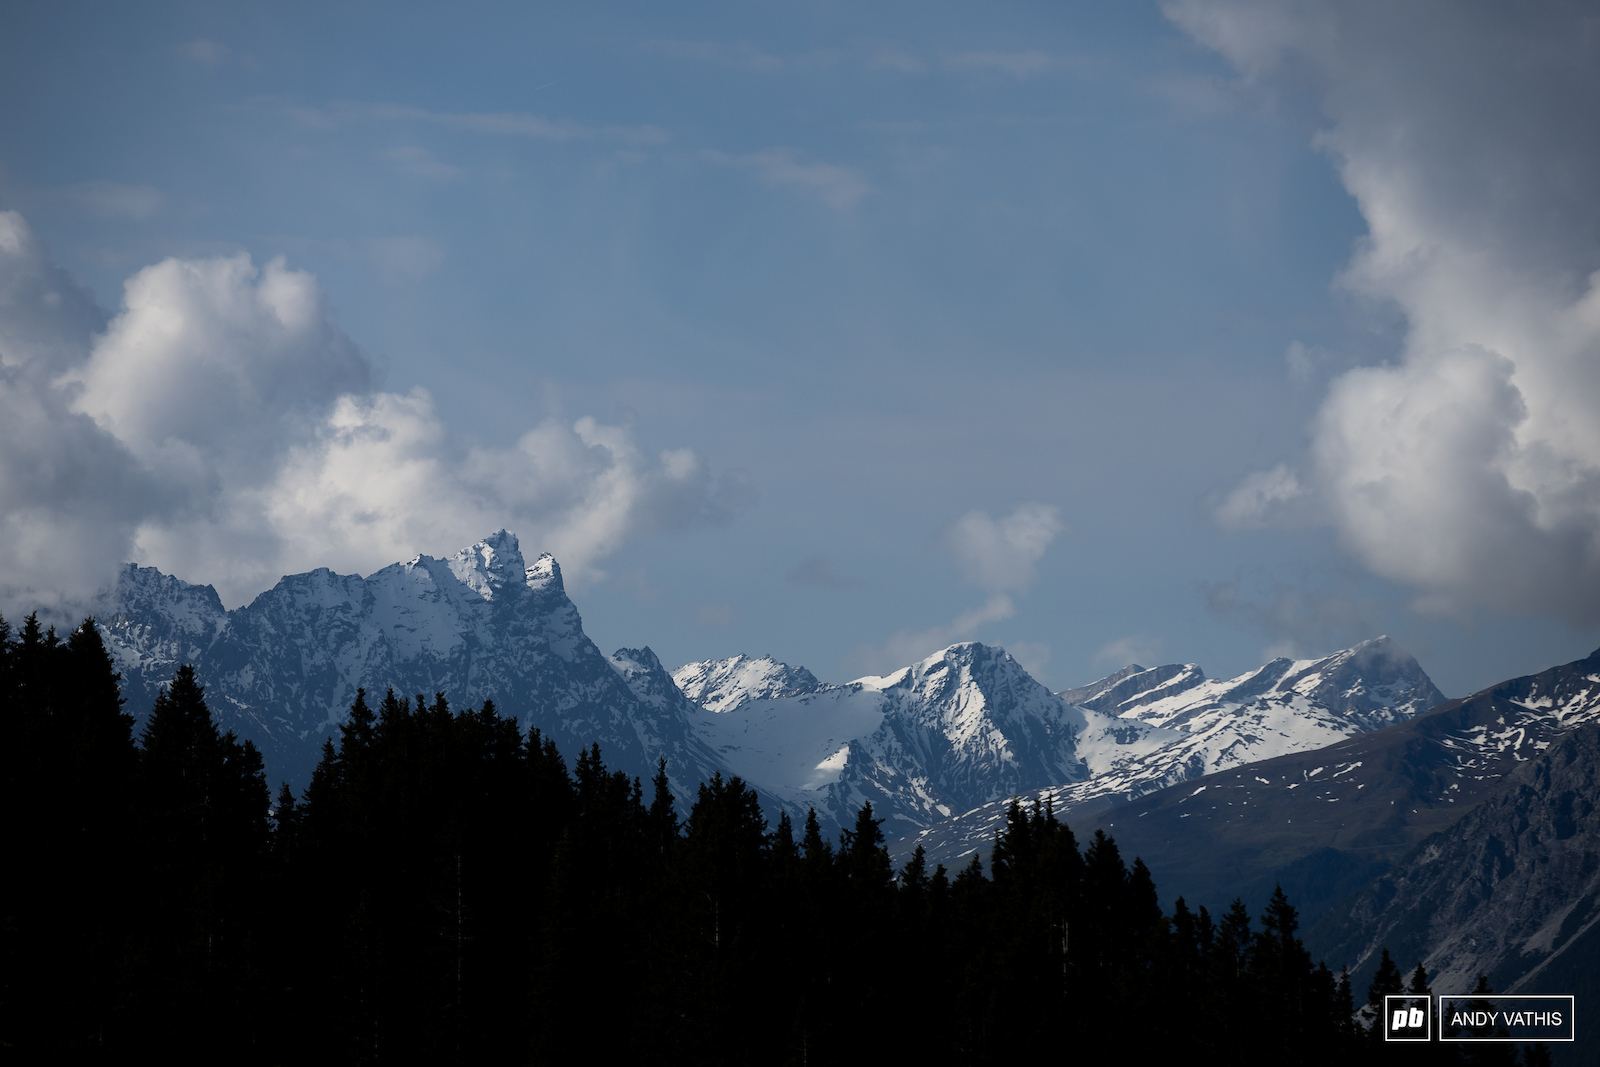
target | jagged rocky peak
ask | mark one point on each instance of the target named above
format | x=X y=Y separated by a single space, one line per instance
x=147 y=591
x=646 y=677
x=961 y=727
x=544 y=575
x=491 y=564
x=319 y=589
x=151 y=622
x=1198 y=726
x=965 y=726
x=1376 y=677
x=724 y=685
x=636 y=660
x=969 y=662
x=967 y=685
x=481 y=623
x=641 y=669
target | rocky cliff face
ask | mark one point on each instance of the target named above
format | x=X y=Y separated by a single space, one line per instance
x=479 y=625
x=1508 y=891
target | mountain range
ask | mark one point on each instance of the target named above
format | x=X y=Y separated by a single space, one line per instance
x=1463 y=833
x=928 y=745
x=961 y=728
x=1213 y=725
x=1326 y=822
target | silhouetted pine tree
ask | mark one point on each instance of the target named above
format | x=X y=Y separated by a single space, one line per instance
x=596 y=914
x=195 y=976
x=1344 y=1007
x=67 y=765
x=663 y=814
x=722 y=892
x=1184 y=977
x=1386 y=981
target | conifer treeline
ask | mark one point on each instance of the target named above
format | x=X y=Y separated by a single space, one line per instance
x=447 y=891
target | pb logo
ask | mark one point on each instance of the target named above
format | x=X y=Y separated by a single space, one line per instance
x=1407 y=1018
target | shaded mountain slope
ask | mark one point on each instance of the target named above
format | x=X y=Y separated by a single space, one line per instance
x=1327 y=821
x=1508 y=890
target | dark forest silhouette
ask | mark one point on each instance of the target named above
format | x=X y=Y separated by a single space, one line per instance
x=448 y=891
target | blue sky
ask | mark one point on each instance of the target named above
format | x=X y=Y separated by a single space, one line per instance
x=1099 y=331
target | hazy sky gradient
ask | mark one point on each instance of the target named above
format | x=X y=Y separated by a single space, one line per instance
x=832 y=331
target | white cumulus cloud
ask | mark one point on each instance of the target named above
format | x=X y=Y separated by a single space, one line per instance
x=70 y=492
x=213 y=366
x=1469 y=468
x=224 y=428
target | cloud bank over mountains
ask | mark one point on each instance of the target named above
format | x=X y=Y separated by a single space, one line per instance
x=222 y=424
x=1469 y=469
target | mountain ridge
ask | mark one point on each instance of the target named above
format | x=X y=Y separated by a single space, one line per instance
x=1325 y=822
x=481 y=624
x=962 y=729
x=1212 y=726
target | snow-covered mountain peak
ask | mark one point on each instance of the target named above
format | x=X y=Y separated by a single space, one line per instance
x=966 y=663
x=725 y=685
x=641 y=669
x=490 y=565
x=479 y=624
x=955 y=730
x=969 y=681
x=1375 y=683
x=193 y=608
x=1372 y=684
x=645 y=659
x=1147 y=729
x=1083 y=694
x=961 y=727
x=167 y=620
x=544 y=575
